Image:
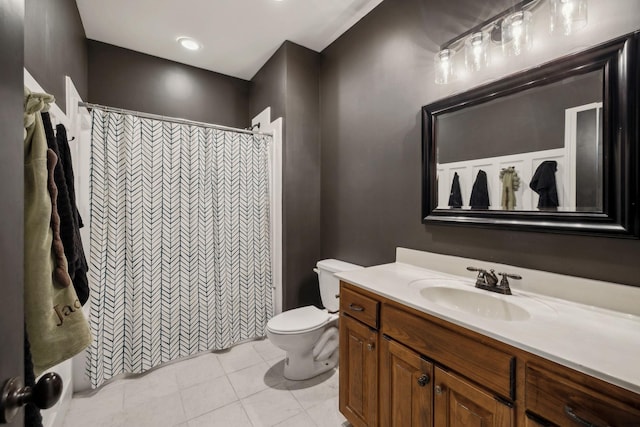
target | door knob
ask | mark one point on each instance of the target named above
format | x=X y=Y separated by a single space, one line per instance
x=14 y=395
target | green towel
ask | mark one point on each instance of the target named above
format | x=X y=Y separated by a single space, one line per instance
x=510 y=184
x=55 y=321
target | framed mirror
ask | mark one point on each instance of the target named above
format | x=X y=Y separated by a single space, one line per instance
x=554 y=148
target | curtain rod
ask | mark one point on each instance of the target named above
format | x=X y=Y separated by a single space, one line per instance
x=170 y=119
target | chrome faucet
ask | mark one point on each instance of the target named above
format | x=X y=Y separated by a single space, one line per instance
x=488 y=280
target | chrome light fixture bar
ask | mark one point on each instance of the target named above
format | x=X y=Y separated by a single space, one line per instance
x=512 y=29
x=491 y=23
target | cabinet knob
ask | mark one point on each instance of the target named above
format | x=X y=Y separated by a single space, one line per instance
x=438 y=389
x=371 y=346
x=423 y=380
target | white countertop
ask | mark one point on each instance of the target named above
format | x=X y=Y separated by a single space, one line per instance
x=599 y=342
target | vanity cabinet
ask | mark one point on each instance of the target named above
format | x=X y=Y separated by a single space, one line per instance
x=358 y=359
x=403 y=367
x=406 y=390
x=559 y=399
x=488 y=366
x=532 y=420
x=474 y=398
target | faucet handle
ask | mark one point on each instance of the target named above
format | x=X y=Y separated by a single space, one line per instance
x=481 y=280
x=510 y=276
x=505 y=278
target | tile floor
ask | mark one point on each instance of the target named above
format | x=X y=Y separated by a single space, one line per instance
x=243 y=386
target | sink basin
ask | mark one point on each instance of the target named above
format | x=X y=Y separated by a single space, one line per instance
x=440 y=281
x=476 y=303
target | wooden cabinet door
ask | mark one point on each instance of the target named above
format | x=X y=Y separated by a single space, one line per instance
x=458 y=403
x=358 y=372
x=406 y=387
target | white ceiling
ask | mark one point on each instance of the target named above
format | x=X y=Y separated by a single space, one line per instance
x=238 y=36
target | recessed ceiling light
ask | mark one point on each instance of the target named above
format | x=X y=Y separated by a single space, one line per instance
x=188 y=43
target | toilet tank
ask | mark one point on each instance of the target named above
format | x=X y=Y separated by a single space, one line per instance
x=330 y=284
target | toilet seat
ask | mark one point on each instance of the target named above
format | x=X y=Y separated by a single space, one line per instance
x=299 y=320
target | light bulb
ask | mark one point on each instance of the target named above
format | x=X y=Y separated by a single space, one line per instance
x=567 y=9
x=444 y=66
x=516 y=37
x=476 y=51
x=188 y=43
x=567 y=16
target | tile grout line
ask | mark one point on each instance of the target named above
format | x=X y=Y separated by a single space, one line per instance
x=245 y=412
x=293 y=416
x=264 y=360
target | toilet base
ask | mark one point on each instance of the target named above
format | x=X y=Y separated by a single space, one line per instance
x=300 y=367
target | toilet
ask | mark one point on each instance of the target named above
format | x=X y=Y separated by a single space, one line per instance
x=309 y=335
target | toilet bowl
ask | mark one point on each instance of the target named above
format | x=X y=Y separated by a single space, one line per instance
x=309 y=335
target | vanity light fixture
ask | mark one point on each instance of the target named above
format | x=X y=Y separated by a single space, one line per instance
x=512 y=29
x=444 y=66
x=567 y=16
x=188 y=43
x=516 y=33
x=476 y=55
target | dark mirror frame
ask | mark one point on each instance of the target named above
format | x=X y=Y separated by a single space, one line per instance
x=619 y=60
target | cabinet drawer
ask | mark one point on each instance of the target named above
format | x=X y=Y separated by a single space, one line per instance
x=475 y=360
x=358 y=306
x=564 y=402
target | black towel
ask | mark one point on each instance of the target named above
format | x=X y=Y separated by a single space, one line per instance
x=544 y=183
x=32 y=416
x=79 y=270
x=455 y=197
x=70 y=221
x=480 y=192
x=67 y=166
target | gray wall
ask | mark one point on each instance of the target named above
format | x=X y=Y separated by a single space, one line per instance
x=12 y=190
x=532 y=120
x=269 y=87
x=372 y=88
x=289 y=83
x=126 y=79
x=55 y=46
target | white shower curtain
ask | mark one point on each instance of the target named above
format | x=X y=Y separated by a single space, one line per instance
x=180 y=250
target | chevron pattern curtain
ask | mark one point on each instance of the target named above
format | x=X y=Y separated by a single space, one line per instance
x=180 y=242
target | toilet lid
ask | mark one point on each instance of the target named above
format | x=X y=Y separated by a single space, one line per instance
x=298 y=320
